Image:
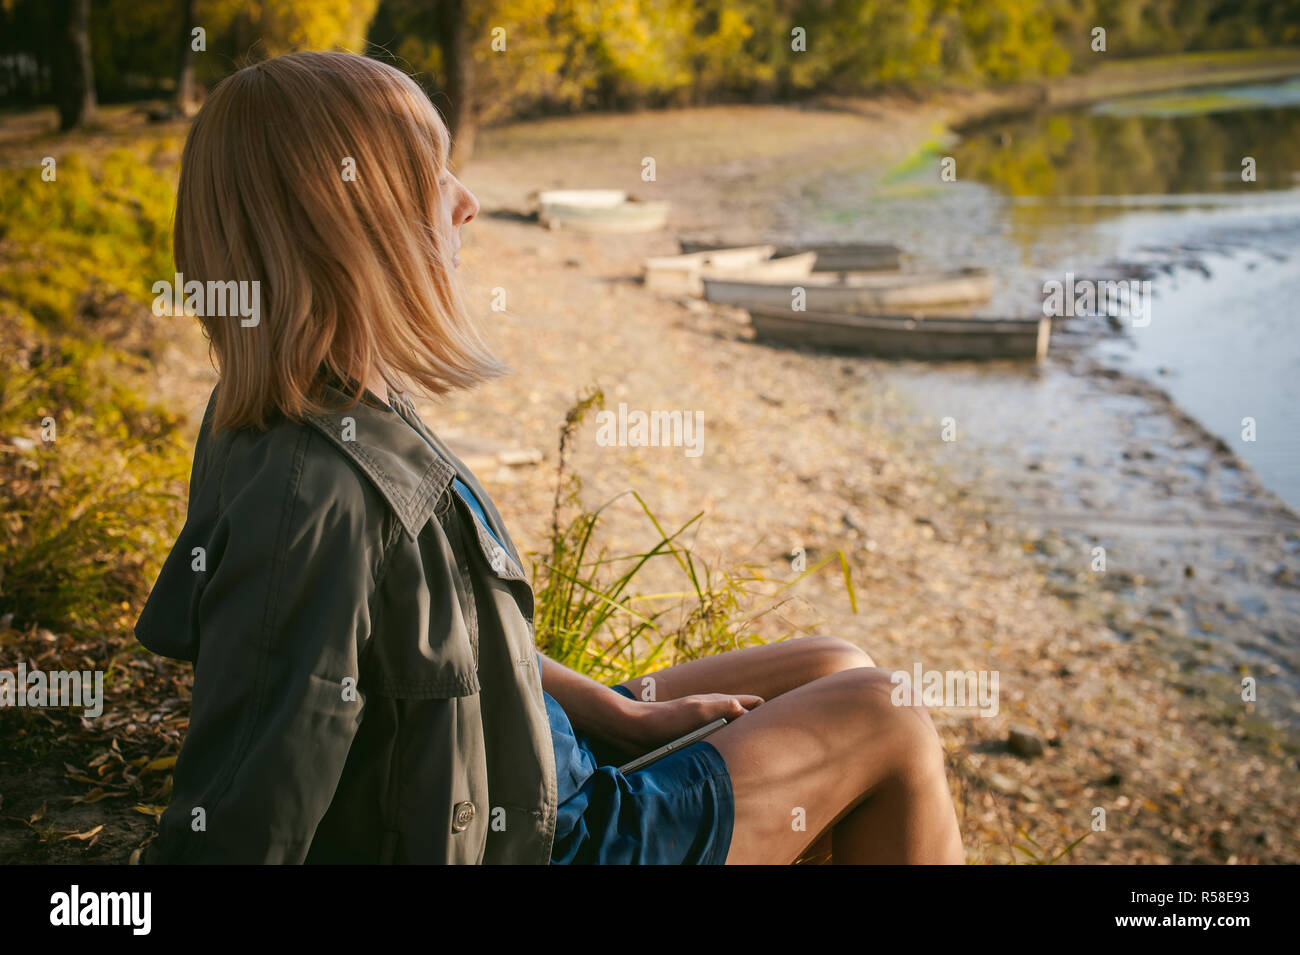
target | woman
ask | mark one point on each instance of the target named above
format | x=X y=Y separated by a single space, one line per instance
x=366 y=686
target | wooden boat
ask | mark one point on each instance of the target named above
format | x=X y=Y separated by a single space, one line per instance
x=680 y=274
x=831 y=256
x=854 y=256
x=605 y=211
x=589 y=198
x=785 y=267
x=792 y=268
x=856 y=292
x=729 y=258
x=907 y=336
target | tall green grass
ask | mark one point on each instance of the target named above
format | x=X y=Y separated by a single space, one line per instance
x=591 y=614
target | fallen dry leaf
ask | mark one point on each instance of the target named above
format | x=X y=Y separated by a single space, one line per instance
x=83 y=836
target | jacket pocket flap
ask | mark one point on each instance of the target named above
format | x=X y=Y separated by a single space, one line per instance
x=425 y=644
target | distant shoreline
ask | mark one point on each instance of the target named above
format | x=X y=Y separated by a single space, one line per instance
x=971 y=109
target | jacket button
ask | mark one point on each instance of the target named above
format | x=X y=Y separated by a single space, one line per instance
x=463 y=816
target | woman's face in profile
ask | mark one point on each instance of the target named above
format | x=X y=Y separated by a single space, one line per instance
x=458 y=207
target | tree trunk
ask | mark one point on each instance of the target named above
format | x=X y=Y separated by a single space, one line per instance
x=74 y=79
x=185 y=97
x=458 y=83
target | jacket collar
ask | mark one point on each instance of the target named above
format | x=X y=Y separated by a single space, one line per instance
x=398 y=461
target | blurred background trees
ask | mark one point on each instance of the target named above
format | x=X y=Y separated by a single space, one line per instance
x=489 y=60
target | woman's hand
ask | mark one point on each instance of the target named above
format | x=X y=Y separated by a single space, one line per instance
x=632 y=725
x=650 y=725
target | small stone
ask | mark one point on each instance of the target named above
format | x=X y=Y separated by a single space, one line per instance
x=1025 y=742
x=517 y=457
x=1003 y=784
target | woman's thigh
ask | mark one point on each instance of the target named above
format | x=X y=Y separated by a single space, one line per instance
x=800 y=763
x=767 y=670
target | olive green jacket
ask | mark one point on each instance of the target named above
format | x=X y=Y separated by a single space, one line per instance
x=366 y=687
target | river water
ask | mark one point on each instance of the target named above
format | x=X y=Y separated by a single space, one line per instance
x=1129 y=438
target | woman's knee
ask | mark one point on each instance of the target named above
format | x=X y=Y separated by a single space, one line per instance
x=882 y=708
x=835 y=654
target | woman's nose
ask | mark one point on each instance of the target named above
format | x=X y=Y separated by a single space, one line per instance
x=468 y=207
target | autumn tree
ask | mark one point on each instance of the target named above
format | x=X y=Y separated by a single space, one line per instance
x=186 y=100
x=461 y=110
x=74 y=77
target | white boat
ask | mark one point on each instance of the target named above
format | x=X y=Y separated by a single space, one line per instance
x=786 y=268
x=685 y=275
x=588 y=198
x=605 y=211
x=860 y=292
x=680 y=274
x=831 y=256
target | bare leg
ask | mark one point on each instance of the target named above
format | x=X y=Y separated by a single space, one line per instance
x=767 y=670
x=828 y=749
x=837 y=753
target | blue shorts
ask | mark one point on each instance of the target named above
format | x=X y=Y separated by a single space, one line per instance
x=677 y=811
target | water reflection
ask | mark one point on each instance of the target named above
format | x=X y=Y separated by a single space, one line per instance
x=1137 y=152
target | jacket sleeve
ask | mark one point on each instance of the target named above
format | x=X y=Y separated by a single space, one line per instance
x=282 y=621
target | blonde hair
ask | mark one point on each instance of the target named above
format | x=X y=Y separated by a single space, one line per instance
x=353 y=275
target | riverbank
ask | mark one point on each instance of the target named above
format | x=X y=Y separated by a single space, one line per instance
x=813 y=452
x=1117 y=78
x=1145 y=710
